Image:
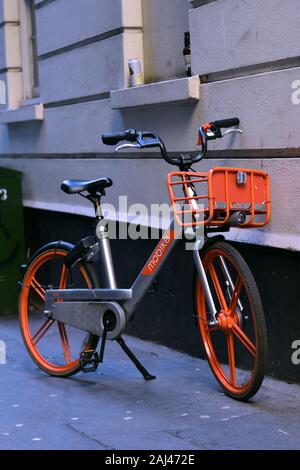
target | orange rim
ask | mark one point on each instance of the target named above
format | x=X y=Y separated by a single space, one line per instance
x=33 y=335
x=231 y=346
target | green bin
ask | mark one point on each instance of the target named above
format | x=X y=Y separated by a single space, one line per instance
x=12 y=242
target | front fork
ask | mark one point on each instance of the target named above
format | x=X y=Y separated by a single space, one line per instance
x=208 y=295
x=202 y=276
x=191 y=193
x=229 y=282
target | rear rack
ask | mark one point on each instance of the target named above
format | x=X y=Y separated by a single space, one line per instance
x=222 y=196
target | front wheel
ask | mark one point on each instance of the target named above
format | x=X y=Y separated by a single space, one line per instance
x=236 y=348
x=54 y=346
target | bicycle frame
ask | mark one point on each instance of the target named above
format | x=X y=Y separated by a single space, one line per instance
x=130 y=298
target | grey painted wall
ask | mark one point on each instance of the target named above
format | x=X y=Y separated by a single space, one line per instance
x=247 y=51
x=164 y=22
x=229 y=34
x=62 y=23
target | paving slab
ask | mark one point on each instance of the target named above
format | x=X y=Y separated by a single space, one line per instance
x=114 y=408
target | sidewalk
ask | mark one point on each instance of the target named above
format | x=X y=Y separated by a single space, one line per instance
x=116 y=409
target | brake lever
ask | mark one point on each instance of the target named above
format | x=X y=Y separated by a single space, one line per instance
x=231 y=131
x=125 y=146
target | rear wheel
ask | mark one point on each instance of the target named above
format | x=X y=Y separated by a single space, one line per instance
x=54 y=346
x=236 y=348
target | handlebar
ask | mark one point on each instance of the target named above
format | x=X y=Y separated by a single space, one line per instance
x=113 y=138
x=208 y=131
x=143 y=139
x=225 y=123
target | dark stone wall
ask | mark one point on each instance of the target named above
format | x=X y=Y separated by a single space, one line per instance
x=166 y=317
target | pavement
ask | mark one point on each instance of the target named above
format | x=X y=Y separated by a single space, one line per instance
x=115 y=409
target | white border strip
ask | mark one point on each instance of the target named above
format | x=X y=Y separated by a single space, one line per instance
x=254 y=236
x=118 y=216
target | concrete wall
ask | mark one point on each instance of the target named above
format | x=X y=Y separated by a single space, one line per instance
x=165 y=22
x=246 y=53
x=10 y=53
x=230 y=34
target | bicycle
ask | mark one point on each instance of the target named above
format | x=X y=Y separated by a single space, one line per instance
x=64 y=311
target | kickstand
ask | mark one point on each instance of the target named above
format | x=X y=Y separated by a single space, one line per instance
x=136 y=362
x=103 y=342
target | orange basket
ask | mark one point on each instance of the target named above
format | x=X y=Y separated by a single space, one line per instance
x=222 y=196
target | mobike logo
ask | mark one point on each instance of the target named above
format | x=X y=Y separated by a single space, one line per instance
x=159 y=253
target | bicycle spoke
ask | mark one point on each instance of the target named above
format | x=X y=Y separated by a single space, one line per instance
x=231 y=358
x=236 y=294
x=213 y=328
x=63 y=278
x=38 y=288
x=61 y=326
x=244 y=339
x=42 y=331
x=65 y=343
x=218 y=287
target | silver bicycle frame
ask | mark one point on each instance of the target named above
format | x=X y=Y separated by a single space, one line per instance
x=130 y=298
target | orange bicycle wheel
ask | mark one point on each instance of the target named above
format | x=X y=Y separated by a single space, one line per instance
x=54 y=346
x=236 y=348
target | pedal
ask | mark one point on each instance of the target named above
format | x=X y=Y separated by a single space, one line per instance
x=89 y=361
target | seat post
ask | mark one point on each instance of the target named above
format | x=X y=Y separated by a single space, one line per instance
x=98 y=208
x=105 y=255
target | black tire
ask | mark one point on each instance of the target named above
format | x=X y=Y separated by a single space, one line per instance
x=93 y=280
x=255 y=303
